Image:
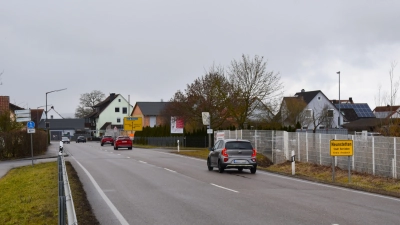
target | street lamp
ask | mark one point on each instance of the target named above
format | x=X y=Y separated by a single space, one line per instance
x=37 y=116
x=339 y=98
x=45 y=124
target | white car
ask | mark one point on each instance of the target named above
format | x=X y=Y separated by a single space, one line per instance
x=65 y=140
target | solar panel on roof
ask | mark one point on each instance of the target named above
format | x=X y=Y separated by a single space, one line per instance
x=362 y=110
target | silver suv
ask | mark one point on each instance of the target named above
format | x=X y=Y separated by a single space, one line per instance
x=232 y=153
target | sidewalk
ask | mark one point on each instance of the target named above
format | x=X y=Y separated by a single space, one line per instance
x=49 y=156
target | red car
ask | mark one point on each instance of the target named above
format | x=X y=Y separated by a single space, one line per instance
x=107 y=140
x=123 y=142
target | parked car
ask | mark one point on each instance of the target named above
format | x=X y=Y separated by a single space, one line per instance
x=65 y=140
x=123 y=142
x=107 y=140
x=80 y=139
x=232 y=153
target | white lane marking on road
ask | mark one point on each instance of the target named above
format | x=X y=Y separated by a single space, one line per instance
x=183 y=156
x=170 y=170
x=330 y=186
x=118 y=154
x=119 y=216
x=143 y=162
x=224 y=188
x=128 y=157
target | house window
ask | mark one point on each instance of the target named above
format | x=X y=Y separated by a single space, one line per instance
x=118 y=120
x=321 y=127
x=116 y=109
x=124 y=110
x=309 y=113
x=330 y=113
x=319 y=98
x=119 y=100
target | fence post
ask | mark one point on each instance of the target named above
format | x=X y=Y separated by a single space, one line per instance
x=298 y=146
x=306 y=146
x=373 y=155
x=394 y=158
x=286 y=144
x=320 y=150
x=255 y=139
x=354 y=151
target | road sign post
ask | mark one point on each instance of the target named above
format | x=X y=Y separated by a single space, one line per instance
x=341 y=148
x=30 y=127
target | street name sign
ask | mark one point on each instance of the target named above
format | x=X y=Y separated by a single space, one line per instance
x=341 y=147
x=24 y=111
x=23 y=115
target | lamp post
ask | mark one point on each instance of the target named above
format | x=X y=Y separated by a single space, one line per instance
x=37 y=116
x=45 y=123
x=339 y=98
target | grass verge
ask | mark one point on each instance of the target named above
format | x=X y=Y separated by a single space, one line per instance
x=321 y=174
x=29 y=195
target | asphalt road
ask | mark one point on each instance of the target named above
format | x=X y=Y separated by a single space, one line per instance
x=143 y=186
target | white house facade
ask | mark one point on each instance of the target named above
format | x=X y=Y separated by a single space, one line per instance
x=314 y=109
x=112 y=115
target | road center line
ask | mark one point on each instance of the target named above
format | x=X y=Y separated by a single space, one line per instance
x=143 y=162
x=170 y=170
x=224 y=188
x=104 y=196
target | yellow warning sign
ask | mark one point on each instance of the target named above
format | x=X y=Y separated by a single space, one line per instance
x=341 y=147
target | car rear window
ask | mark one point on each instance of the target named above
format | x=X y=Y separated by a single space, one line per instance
x=238 y=145
x=123 y=138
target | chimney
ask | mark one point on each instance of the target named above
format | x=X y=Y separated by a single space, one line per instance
x=351 y=100
x=302 y=90
x=4 y=104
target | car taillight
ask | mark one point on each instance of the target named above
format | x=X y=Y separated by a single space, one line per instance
x=224 y=152
x=254 y=153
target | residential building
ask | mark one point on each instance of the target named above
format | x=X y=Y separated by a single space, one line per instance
x=108 y=114
x=353 y=111
x=151 y=113
x=387 y=112
x=65 y=128
x=5 y=106
x=318 y=113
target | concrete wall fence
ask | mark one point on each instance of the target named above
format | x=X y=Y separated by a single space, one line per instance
x=376 y=155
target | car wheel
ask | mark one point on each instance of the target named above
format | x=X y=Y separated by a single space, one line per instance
x=240 y=169
x=210 y=168
x=115 y=148
x=220 y=167
x=253 y=170
x=101 y=144
x=130 y=148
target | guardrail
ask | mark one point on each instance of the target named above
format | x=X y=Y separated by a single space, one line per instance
x=65 y=201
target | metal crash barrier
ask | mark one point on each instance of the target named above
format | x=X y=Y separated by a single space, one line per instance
x=65 y=202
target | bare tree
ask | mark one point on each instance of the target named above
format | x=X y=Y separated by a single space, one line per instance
x=250 y=82
x=1 y=83
x=323 y=116
x=208 y=93
x=87 y=101
x=292 y=111
x=394 y=87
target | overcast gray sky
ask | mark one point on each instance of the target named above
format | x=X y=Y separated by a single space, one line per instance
x=151 y=49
